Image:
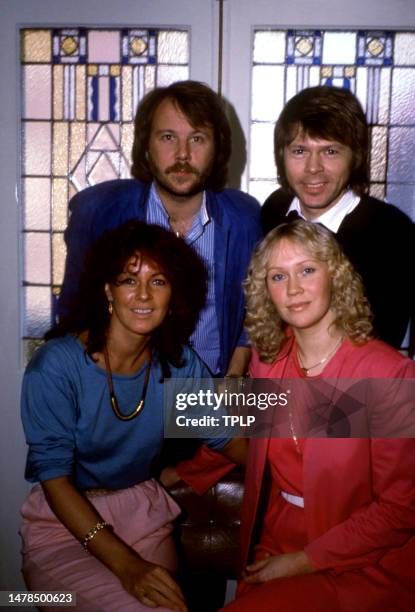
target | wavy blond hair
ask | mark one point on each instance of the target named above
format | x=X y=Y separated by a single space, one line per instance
x=265 y=327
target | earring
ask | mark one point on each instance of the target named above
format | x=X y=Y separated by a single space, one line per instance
x=110 y=308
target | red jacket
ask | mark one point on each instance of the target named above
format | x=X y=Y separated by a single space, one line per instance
x=359 y=494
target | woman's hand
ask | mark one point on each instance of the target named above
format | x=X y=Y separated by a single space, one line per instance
x=278 y=566
x=169 y=476
x=152 y=585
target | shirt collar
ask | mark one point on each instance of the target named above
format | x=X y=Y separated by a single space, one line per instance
x=202 y=216
x=333 y=217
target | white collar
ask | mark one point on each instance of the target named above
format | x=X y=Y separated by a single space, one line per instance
x=333 y=217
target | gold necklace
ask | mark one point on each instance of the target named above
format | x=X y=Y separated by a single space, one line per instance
x=114 y=402
x=307 y=370
x=292 y=431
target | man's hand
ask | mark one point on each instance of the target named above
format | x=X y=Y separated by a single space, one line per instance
x=278 y=566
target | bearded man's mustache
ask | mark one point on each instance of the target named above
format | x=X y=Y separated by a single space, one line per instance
x=181 y=167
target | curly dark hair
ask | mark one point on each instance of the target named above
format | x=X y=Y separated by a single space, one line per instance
x=202 y=107
x=330 y=113
x=106 y=259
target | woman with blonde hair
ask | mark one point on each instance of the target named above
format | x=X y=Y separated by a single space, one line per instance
x=327 y=522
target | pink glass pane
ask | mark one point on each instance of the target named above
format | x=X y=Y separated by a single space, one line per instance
x=103 y=47
x=37 y=100
x=37 y=148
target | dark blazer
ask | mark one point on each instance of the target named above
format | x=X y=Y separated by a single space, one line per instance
x=379 y=240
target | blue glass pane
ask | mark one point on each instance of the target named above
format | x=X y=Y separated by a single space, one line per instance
x=402 y=98
x=402 y=196
x=401 y=155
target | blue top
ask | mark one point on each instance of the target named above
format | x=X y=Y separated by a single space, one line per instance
x=71 y=428
x=235 y=214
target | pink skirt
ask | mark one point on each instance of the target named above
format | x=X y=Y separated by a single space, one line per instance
x=53 y=560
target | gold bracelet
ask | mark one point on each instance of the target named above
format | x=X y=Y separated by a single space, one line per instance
x=93 y=532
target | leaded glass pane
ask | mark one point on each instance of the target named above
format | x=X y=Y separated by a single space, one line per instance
x=401 y=155
x=37 y=258
x=36 y=193
x=267 y=95
x=269 y=47
x=378 y=66
x=80 y=89
x=402 y=103
x=339 y=48
x=37 y=301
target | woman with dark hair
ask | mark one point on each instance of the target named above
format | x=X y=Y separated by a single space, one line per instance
x=330 y=521
x=92 y=409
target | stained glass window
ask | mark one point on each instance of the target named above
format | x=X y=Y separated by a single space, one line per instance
x=80 y=89
x=378 y=66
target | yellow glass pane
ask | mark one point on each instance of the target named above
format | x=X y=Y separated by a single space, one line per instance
x=377 y=191
x=36 y=46
x=378 y=154
x=60 y=148
x=77 y=142
x=59 y=204
x=58 y=258
x=115 y=70
x=71 y=191
x=127 y=93
x=77 y=162
x=58 y=92
x=149 y=78
x=80 y=99
x=127 y=136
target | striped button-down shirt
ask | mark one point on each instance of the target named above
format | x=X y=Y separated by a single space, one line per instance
x=205 y=339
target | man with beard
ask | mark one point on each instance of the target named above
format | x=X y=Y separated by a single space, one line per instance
x=181 y=150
